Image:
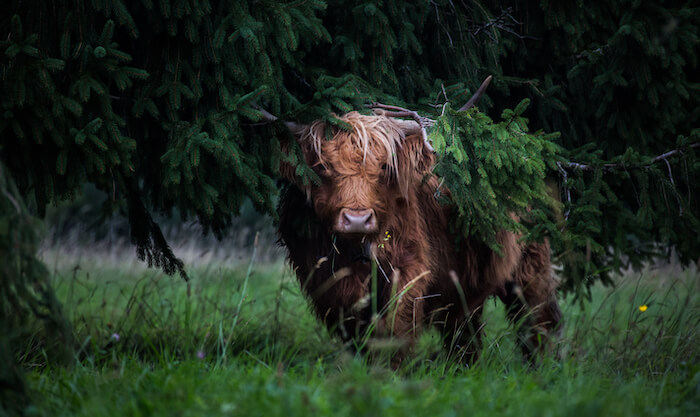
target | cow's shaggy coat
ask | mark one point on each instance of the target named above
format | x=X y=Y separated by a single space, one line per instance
x=426 y=274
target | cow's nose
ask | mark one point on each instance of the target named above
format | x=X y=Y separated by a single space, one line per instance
x=357 y=221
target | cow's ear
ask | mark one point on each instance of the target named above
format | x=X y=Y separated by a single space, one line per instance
x=298 y=154
x=416 y=155
x=290 y=157
x=415 y=161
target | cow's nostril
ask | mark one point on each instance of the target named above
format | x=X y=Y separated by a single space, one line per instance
x=357 y=221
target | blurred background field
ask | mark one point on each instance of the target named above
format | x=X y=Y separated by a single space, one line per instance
x=239 y=339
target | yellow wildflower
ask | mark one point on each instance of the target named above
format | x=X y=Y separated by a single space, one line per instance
x=643 y=308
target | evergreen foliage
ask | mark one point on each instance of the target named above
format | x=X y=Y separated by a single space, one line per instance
x=493 y=170
x=24 y=292
x=156 y=103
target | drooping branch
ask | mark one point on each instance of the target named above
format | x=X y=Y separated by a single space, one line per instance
x=418 y=123
x=151 y=245
x=618 y=167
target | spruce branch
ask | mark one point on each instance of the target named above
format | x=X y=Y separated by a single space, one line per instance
x=151 y=245
x=618 y=166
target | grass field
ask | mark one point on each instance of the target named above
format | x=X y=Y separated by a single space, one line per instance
x=240 y=341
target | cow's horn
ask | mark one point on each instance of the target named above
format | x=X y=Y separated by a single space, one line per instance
x=472 y=101
x=269 y=117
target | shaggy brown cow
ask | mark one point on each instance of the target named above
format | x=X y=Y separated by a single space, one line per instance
x=377 y=202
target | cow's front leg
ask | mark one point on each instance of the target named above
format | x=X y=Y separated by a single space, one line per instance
x=339 y=297
x=405 y=308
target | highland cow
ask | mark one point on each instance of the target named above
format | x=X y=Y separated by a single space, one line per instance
x=376 y=205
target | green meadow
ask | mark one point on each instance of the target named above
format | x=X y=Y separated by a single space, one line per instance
x=238 y=339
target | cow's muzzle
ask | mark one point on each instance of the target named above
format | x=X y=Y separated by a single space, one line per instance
x=356 y=221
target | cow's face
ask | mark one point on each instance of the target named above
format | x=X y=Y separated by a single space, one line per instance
x=367 y=174
x=356 y=187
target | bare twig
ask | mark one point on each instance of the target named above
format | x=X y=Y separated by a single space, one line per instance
x=565 y=176
x=395 y=111
x=673 y=152
x=670 y=174
x=505 y=22
x=673 y=184
x=13 y=201
x=400 y=112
